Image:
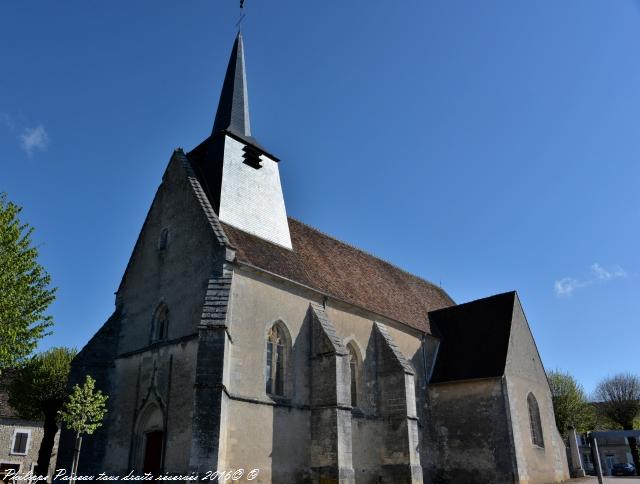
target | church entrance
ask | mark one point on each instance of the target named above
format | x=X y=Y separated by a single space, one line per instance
x=153 y=452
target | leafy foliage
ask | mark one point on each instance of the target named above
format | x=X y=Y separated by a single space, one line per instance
x=37 y=391
x=85 y=409
x=570 y=403
x=25 y=292
x=40 y=384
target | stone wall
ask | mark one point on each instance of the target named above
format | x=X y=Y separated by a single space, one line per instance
x=281 y=436
x=126 y=357
x=331 y=441
x=163 y=378
x=469 y=433
x=95 y=359
x=177 y=275
x=8 y=429
x=210 y=402
x=525 y=374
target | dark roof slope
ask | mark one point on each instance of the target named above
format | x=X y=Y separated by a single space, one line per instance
x=344 y=272
x=474 y=338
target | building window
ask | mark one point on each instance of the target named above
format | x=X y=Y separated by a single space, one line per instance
x=277 y=359
x=161 y=322
x=5 y=468
x=20 y=443
x=534 y=421
x=163 y=240
x=354 y=366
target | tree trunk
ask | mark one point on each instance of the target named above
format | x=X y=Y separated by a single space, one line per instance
x=48 y=441
x=76 y=458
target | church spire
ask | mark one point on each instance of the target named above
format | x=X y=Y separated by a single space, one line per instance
x=241 y=179
x=233 y=108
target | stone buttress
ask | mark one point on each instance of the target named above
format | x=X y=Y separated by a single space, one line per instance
x=397 y=405
x=209 y=403
x=331 y=456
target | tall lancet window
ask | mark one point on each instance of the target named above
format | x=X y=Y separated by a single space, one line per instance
x=354 y=366
x=277 y=360
x=163 y=240
x=534 y=421
x=161 y=322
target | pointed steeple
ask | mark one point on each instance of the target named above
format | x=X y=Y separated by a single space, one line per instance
x=233 y=108
x=241 y=179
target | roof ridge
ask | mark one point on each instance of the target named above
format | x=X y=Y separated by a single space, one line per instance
x=482 y=299
x=369 y=254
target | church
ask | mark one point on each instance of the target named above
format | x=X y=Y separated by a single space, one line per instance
x=243 y=339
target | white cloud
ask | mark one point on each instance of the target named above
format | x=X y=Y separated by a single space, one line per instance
x=567 y=285
x=606 y=274
x=34 y=139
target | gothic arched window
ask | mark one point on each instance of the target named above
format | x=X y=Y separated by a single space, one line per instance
x=278 y=348
x=161 y=322
x=534 y=421
x=163 y=240
x=354 y=367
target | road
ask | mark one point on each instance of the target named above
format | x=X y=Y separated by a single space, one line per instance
x=607 y=480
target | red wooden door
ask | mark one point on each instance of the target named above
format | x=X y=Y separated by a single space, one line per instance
x=153 y=452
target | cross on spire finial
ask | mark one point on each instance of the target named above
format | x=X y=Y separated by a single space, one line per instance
x=242 y=15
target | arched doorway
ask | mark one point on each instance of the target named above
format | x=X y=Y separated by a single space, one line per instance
x=150 y=440
x=153 y=452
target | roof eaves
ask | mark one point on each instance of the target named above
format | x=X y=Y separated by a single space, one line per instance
x=242 y=262
x=465 y=380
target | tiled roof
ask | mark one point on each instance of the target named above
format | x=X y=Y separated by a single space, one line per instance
x=344 y=272
x=474 y=338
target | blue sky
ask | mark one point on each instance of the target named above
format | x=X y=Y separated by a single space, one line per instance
x=485 y=146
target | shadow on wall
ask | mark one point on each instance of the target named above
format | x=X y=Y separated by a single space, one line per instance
x=367 y=427
x=290 y=452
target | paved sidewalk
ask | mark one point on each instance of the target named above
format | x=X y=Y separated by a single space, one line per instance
x=606 y=480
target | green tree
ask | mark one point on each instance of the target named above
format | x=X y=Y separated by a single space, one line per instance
x=83 y=413
x=25 y=292
x=37 y=391
x=618 y=400
x=569 y=403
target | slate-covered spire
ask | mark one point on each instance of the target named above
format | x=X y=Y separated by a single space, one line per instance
x=233 y=108
x=241 y=179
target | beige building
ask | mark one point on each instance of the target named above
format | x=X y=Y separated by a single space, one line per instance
x=613 y=449
x=244 y=339
x=19 y=439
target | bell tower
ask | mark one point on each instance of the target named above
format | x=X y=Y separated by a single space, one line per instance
x=241 y=178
